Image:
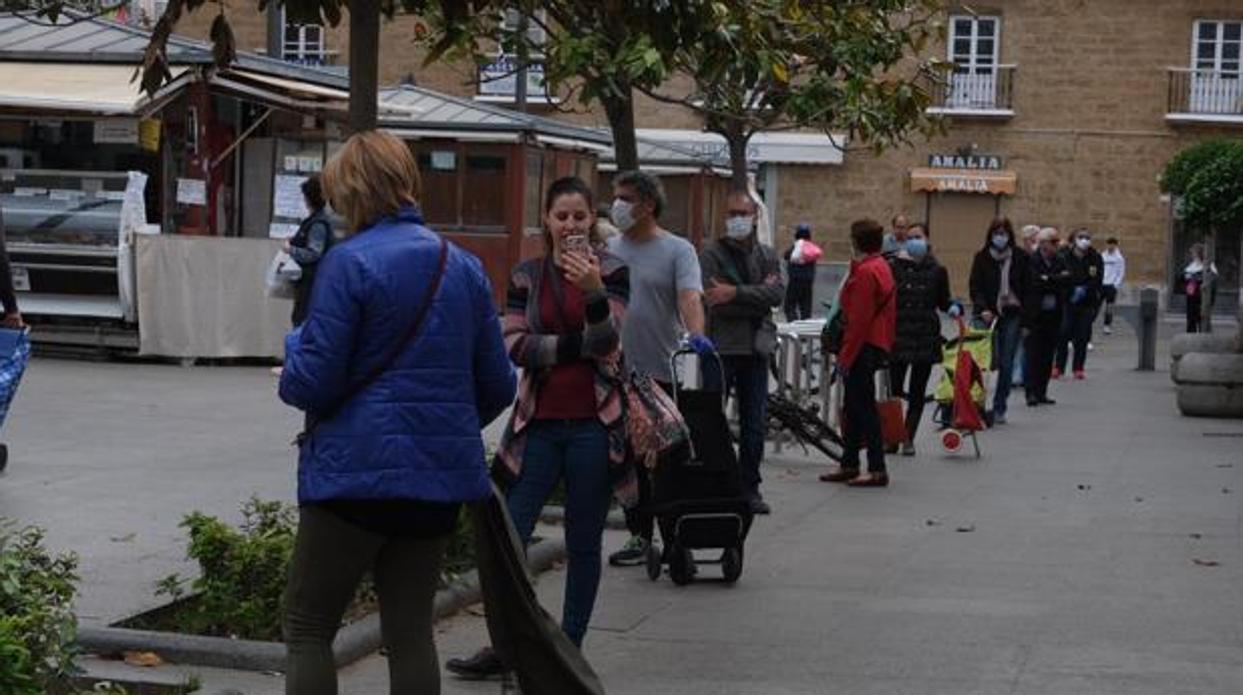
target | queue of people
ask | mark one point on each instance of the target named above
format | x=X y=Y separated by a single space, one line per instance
x=399 y=359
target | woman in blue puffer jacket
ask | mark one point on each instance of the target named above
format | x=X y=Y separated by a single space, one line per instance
x=398 y=366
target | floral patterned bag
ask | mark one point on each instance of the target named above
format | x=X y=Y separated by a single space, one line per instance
x=653 y=423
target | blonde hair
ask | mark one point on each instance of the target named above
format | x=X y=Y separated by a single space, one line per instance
x=1030 y=231
x=373 y=176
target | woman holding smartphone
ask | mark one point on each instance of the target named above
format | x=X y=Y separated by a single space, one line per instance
x=562 y=326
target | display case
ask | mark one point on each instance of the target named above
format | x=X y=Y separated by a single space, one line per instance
x=64 y=240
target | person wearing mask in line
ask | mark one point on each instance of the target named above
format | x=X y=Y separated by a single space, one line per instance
x=998 y=285
x=563 y=320
x=923 y=288
x=1115 y=274
x=1198 y=276
x=801 y=274
x=1029 y=246
x=1043 y=308
x=666 y=305
x=309 y=244
x=398 y=366
x=742 y=286
x=893 y=240
x=1087 y=271
x=870 y=315
x=12 y=315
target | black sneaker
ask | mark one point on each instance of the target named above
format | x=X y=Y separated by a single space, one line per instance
x=484 y=665
x=632 y=554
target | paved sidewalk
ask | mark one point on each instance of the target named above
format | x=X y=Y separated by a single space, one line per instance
x=1063 y=562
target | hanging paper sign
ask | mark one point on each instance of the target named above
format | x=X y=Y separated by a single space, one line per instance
x=116 y=131
x=192 y=191
x=288 y=200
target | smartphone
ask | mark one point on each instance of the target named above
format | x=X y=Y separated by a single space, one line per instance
x=576 y=244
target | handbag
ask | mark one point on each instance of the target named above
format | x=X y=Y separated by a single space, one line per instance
x=889 y=409
x=314 y=419
x=654 y=424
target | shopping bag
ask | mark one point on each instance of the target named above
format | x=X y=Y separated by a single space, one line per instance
x=811 y=252
x=889 y=410
x=282 y=273
x=14 y=356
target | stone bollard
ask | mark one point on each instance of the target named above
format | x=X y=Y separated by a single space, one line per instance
x=1149 y=298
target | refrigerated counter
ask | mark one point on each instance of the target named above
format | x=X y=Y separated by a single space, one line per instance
x=65 y=246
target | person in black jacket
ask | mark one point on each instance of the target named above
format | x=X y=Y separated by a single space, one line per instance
x=801 y=279
x=998 y=287
x=923 y=287
x=309 y=245
x=1045 y=301
x=1087 y=274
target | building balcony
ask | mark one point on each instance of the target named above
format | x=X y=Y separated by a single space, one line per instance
x=1204 y=96
x=310 y=57
x=976 y=93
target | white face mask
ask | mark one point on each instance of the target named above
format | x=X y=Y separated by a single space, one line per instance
x=1083 y=244
x=739 y=227
x=622 y=214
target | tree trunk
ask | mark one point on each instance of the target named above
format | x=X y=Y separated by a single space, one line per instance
x=738 y=141
x=620 y=112
x=364 y=64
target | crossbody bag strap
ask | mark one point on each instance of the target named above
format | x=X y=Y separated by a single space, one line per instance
x=313 y=420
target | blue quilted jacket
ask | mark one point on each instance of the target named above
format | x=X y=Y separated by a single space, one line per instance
x=414 y=433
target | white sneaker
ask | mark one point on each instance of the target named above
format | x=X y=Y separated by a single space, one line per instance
x=1109 y=330
x=1091 y=347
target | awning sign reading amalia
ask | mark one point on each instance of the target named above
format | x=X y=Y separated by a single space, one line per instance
x=928 y=180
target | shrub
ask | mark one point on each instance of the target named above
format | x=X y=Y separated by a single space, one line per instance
x=240 y=589
x=37 y=624
x=242 y=573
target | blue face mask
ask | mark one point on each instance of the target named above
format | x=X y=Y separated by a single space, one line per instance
x=917 y=248
x=1000 y=241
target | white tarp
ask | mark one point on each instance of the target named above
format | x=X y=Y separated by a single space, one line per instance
x=204 y=297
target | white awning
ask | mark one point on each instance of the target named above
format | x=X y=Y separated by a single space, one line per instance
x=93 y=88
x=764 y=148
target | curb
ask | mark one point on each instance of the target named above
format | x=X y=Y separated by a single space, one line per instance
x=556 y=515
x=352 y=643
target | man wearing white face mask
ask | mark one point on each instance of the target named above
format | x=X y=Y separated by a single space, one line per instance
x=666 y=304
x=743 y=283
x=1087 y=275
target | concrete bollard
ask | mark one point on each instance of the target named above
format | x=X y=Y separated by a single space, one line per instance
x=1149 y=298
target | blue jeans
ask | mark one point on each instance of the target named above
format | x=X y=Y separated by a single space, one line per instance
x=1006 y=338
x=746 y=377
x=576 y=451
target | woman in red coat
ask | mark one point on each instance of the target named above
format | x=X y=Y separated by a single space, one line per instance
x=870 y=314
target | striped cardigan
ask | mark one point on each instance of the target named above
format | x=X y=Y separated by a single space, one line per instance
x=535 y=351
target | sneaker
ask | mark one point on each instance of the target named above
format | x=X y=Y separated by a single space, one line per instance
x=908 y=449
x=632 y=554
x=1057 y=374
x=999 y=418
x=1109 y=330
x=1091 y=347
x=1080 y=376
x=484 y=665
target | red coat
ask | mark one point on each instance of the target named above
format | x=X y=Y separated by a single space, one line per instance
x=871 y=312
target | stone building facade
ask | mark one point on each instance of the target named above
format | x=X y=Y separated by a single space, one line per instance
x=1081 y=102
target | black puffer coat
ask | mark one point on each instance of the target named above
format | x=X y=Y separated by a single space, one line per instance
x=923 y=288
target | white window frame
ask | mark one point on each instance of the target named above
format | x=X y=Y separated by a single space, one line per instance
x=973 y=64
x=1219 y=48
x=303 y=49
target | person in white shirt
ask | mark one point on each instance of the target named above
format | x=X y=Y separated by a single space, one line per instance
x=1115 y=272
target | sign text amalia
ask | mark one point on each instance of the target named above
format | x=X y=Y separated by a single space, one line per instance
x=986 y=162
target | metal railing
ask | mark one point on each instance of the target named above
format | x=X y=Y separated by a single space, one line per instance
x=1205 y=92
x=984 y=90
